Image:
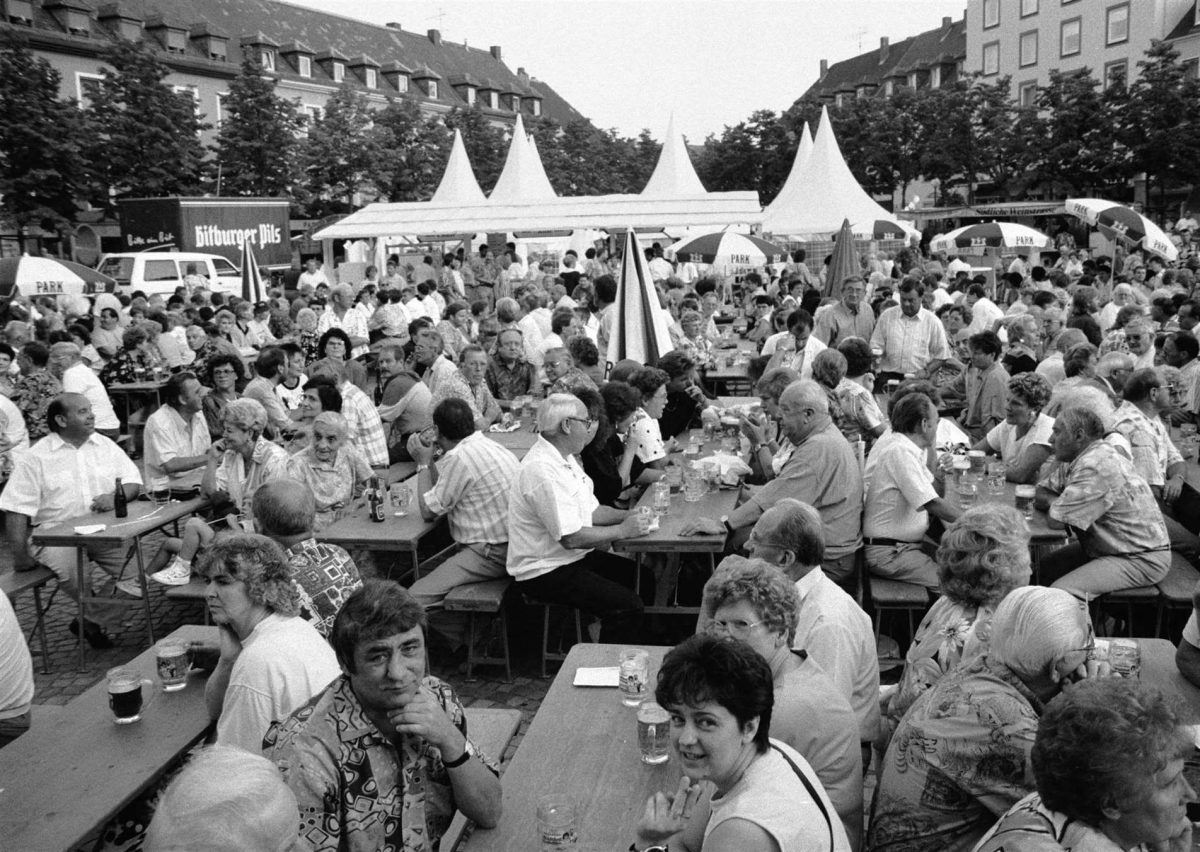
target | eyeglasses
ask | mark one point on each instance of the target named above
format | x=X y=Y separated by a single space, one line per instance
x=588 y=422
x=736 y=626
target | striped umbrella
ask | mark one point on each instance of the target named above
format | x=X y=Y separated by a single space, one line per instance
x=641 y=330
x=978 y=238
x=727 y=249
x=253 y=289
x=49 y=276
x=882 y=229
x=1123 y=224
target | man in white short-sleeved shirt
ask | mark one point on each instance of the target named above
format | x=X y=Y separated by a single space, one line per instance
x=177 y=437
x=901 y=495
x=66 y=362
x=913 y=339
x=555 y=525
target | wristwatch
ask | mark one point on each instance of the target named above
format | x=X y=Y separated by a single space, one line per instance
x=633 y=847
x=422 y=467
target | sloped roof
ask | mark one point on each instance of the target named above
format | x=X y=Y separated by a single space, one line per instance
x=935 y=47
x=523 y=178
x=793 y=188
x=674 y=174
x=458 y=185
x=1187 y=25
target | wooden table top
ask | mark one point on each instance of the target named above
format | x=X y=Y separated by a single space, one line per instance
x=519 y=441
x=392 y=534
x=582 y=742
x=1040 y=531
x=143 y=517
x=1159 y=669
x=667 y=538
x=65 y=777
x=151 y=386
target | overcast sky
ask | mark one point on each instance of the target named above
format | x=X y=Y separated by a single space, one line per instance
x=628 y=65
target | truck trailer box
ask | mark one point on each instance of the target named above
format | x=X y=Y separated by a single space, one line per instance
x=209 y=225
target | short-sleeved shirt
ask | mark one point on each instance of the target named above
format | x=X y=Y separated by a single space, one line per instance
x=366 y=429
x=986 y=393
x=510 y=382
x=357 y=790
x=334 y=483
x=1108 y=503
x=325 y=575
x=16 y=666
x=456 y=386
x=169 y=437
x=898 y=484
x=860 y=407
x=1003 y=438
x=909 y=343
x=80 y=378
x=838 y=322
x=1153 y=450
x=646 y=436
x=474 y=481
x=353 y=322
x=240 y=480
x=1030 y=826
x=553 y=498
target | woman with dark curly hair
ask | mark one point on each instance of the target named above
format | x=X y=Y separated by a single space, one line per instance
x=272 y=660
x=644 y=430
x=1022 y=439
x=225 y=374
x=133 y=361
x=334 y=346
x=1108 y=764
x=612 y=465
x=982 y=557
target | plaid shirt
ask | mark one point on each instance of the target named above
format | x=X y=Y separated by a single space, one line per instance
x=474 y=480
x=366 y=429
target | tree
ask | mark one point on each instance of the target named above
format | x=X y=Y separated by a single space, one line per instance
x=41 y=168
x=486 y=144
x=144 y=138
x=257 y=139
x=340 y=157
x=1071 y=141
x=413 y=152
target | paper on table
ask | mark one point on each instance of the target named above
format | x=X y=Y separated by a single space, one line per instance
x=601 y=676
x=89 y=529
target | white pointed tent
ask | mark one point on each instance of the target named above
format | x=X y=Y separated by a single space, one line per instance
x=523 y=177
x=458 y=185
x=793 y=188
x=827 y=193
x=674 y=175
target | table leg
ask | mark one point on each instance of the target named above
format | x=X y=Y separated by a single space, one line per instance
x=666 y=580
x=137 y=548
x=82 y=590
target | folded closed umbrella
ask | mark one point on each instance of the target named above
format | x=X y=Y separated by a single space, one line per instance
x=843 y=263
x=641 y=330
x=253 y=289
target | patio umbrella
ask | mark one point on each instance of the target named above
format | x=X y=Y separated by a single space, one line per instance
x=49 y=276
x=641 y=330
x=1123 y=224
x=843 y=263
x=881 y=229
x=253 y=289
x=728 y=249
x=978 y=238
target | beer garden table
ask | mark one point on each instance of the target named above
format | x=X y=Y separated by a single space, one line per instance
x=127 y=390
x=1042 y=536
x=582 y=743
x=70 y=774
x=144 y=517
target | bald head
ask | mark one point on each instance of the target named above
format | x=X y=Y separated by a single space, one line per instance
x=284 y=509
x=807 y=394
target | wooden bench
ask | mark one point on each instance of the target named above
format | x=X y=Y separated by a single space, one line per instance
x=15 y=582
x=193 y=590
x=482 y=599
x=492 y=730
x=1176 y=590
x=886 y=595
x=1127 y=599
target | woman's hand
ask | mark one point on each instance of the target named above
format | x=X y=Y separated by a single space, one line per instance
x=754 y=430
x=667 y=814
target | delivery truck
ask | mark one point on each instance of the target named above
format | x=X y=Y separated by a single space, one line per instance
x=209 y=226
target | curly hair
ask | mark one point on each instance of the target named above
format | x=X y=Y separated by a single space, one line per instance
x=258 y=562
x=829 y=367
x=648 y=380
x=1032 y=388
x=330 y=334
x=620 y=400
x=376 y=610
x=984 y=555
x=224 y=359
x=763 y=586
x=1100 y=740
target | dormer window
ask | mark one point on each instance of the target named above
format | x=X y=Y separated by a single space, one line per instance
x=72 y=15
x=19 y=12
x=401 y=82
x=889 y=88
x=304 y=66
x=212 y=44
x=535 y=106
x=266 y=58
x=172 y=37
x=338 y=72
x=431 y=88
x=217 y=49
x=371 y=78
x=935 y=77
x=396 y=75
x=494 y=99
x=469 y=95
x=262 y=49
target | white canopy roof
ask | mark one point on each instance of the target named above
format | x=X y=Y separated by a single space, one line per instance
x=458 y=184
x=674 y=175
x=523 y=177
x=791 y=192
x=827 y=193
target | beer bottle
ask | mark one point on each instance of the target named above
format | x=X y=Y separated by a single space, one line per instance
x=375 y=499
x=120 y=503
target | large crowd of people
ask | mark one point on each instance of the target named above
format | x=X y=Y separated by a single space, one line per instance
x=1073 y=375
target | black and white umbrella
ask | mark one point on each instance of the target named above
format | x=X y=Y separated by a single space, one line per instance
x=1123 y=224
x=728 y=249
x=253 y=290
x=978 y=238
x=49 y=276
x=883 y=229
x=641 y=330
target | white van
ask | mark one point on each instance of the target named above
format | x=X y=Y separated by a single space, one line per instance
x=162 y=271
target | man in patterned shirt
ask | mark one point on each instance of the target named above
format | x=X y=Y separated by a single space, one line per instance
x=1122 y=540
x=467 y=383
x=284 y=511
x=509 y=375
x=380 y=758
x=366 y=427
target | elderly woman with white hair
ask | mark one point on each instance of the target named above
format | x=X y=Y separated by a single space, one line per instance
x=242 y=459
x=272 y=660
x=960 y=757
x=982 y=557
x=332 y=468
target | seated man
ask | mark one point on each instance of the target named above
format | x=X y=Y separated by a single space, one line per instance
x=467 y=383
x=176 y=440
x=509 y=375
x=325 y=575
x=16 y=676
x=225 y=798
x=556 y=526
x=821 y=471
x=470 y=485
x=66 y=362
x=65 y=475
x=405 y=407
x=384 y=740
x=901 y=495
x=1122 y=540
x=270 y=369
x=561 y=372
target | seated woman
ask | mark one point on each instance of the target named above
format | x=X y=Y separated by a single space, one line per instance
x=1108 y=764
x=960 y=757
x=81 y=337
x=685 y=398
x=1024 y=335
x=720 y=694
x=306 y=334
x=272 y=660
x=334 y=346
x=644 y=431
x=755 y=602
x=855 y=391
x=1022 y=441
x=224 y=374
x=774 y=449
x=333 y=469
x=612 y=466
x=829 y=371
x=692 y=340
x=320 y=394
x=982 y=557
x=134 y=361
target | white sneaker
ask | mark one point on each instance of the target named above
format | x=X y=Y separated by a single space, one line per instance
x=130 y=587
x=178 y=573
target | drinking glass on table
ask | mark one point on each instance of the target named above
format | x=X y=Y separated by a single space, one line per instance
x=654 y=733
x=694 y=484
x=633 y=667
x=967 y=492
x=1023 y=499
x=172 y=659
x=125 y=695
x=996 y=472
x=557 y=822
x=401 y=496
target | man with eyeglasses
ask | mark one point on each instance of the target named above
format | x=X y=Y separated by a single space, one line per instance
x=556 y=527
x=1139 y=336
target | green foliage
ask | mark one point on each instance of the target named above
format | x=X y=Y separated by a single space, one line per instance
x=40 y=164
x=143 y=137
x=413 y=151
x=257 y=138
x=339 y=158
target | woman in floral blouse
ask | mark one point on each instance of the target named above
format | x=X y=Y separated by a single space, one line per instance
x=133 y=361
x=35 y=387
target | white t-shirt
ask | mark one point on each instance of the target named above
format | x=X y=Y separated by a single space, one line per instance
x=898 y=485
x=1003 y=438
x=79 y=378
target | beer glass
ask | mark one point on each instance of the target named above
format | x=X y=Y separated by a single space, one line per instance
x=125 y=695
x=662 y=498
x=654 y=733
x=558 y=822
x=173 y=661
x=1023 y=499
x=996 y=472
x=967 y=492
x=978 y=461
x=1125 y=657
x=401 y=495
x=634 y=668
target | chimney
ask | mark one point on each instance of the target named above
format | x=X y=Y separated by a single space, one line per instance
x=946 y=22
x=393 y=25
x=435 y=36
x=883 y=43
x=524 y=77
x=824 y=67
x=495 y=51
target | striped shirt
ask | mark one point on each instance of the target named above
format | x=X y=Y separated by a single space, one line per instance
x=366 y=429
x=909 y=343
x=474 y=480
